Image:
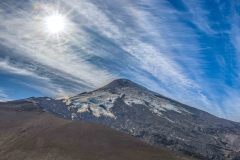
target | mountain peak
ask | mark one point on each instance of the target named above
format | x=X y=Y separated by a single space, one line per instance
x=121 y=83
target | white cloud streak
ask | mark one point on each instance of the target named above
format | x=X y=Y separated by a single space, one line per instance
x=41 y=83
x=3 y=96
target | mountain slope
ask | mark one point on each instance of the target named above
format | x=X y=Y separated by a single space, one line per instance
x=28 y=132
x=157 y=120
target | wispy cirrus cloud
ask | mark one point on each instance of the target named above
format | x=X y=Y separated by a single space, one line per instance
x=46 y=82
x=3 y=96
x=172 y=48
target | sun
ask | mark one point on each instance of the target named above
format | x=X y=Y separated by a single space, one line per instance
x=55 y=23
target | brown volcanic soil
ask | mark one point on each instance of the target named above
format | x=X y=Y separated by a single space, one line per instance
x=31 y=134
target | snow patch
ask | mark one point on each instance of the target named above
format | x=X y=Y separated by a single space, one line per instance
x=156 y=104
x=99 y=104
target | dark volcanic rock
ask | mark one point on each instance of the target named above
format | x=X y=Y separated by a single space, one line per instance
x=33 y=134
x=157 y=120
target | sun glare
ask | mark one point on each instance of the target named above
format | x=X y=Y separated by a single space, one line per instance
x=55 y=24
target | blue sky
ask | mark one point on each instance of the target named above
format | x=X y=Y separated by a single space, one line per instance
x=184 y=49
